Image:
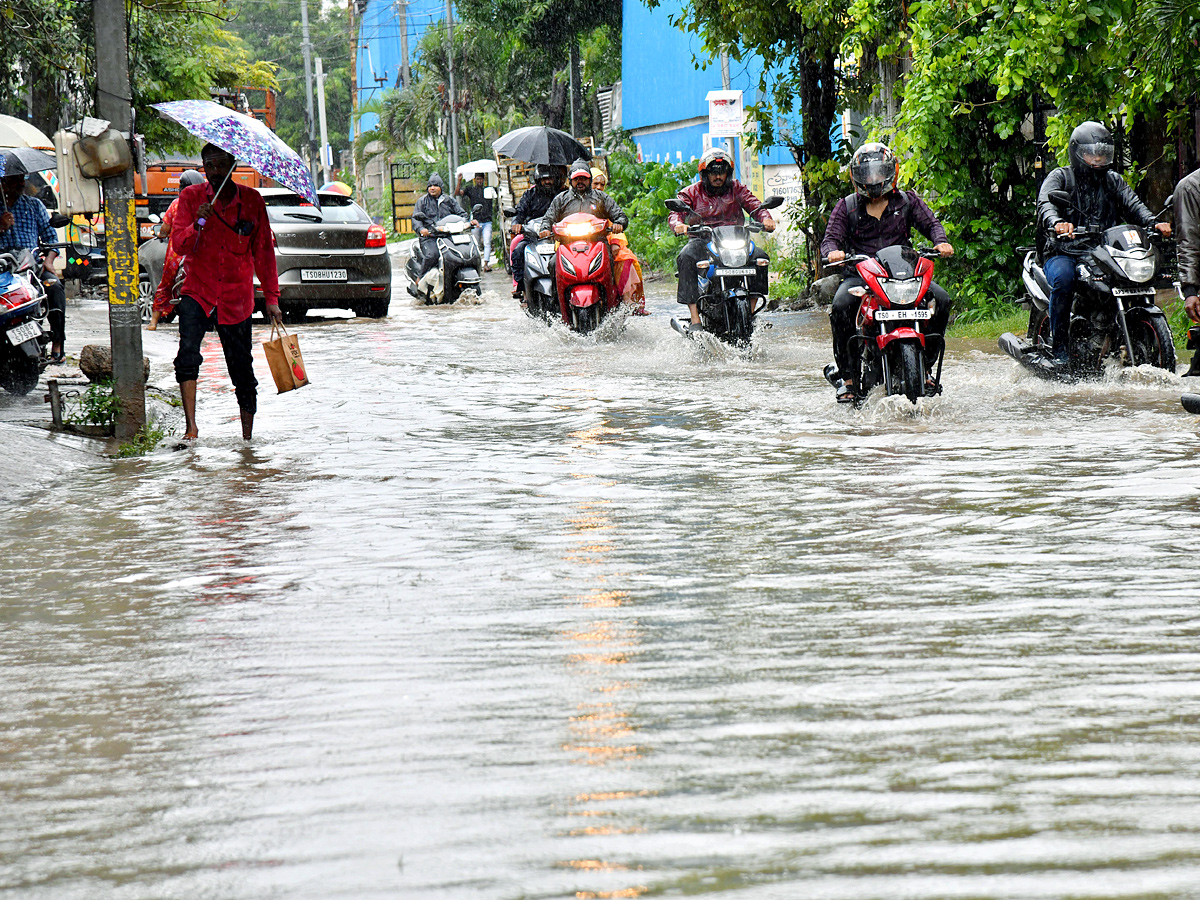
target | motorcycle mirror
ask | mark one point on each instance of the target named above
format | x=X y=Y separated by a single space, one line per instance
x=155 y=218
x=676 y=205
x=509 y=211
x=772 y=202
x=1060 y=198
x=58 y=220
x=476 y=210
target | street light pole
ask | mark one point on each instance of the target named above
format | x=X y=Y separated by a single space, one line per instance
x=321 y=114
x=453 y=96
x=113 y=101
x=306 y=46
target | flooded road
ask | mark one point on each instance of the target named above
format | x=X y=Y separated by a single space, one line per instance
x=491 y=611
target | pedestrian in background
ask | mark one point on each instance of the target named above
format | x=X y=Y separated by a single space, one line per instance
x=1187 y=225
x=478 y=193
x=165 y=298
x=24 y=222
x=221 y=228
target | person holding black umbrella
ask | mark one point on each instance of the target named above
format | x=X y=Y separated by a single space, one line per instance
x=24 y=223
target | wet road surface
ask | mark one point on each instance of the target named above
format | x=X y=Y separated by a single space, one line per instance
x=493 y=611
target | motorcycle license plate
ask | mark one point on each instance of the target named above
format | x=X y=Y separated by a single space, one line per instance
x=23 y=333
x=546 y=248
x=733 y=273
x=462 y=239
x=322 y=274
x=1132 y=292
x=902 y=315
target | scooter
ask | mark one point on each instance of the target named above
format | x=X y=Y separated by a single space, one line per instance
x=458 y=268
x=583 y=272
x=895 y=301
x=541 y=268
x=1113 y=313
x=23 y=310
x=729 y=298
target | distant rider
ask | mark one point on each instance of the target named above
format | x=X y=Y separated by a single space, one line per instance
x=427 y=212
x=477 y=193
x=532 y=206
x=1101 y=199
x=876 y=215
x=582 y=198
x=1187 y=218
x=717 y=199
x=24 y=223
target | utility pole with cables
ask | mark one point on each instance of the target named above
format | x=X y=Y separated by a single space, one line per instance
x=453 y=96
x=353 y=92
x=306 y=46
x=402 y=19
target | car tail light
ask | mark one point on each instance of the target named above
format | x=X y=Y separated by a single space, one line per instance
x=376 y=236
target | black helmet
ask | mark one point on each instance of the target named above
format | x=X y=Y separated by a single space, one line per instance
x=1091 y=148
x=873 y=170
x=540 y=173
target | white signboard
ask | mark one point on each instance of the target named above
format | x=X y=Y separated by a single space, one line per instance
x=725 y=115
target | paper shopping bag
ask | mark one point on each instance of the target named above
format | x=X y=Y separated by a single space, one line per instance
x=285 y=360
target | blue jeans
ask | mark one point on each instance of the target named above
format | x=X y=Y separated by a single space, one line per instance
x=1060 y=274
x=483 y=237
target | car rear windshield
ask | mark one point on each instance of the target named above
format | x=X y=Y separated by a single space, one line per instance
x=335 y=209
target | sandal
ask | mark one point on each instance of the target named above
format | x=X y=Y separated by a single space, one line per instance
x=846 y=394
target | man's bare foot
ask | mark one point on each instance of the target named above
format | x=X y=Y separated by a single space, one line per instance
x=191 y=435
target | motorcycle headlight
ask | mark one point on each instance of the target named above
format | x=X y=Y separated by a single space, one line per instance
x=901 y=291
x=1138 y=265
x=733 y=256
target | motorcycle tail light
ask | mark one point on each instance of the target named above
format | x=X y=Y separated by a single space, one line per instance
x=376 y=236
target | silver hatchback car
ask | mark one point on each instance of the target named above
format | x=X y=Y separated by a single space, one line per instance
x=332 y=257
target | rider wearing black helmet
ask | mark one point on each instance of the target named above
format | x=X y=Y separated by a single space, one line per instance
x=1100 y=199
x=532 y=206
x=878 y=214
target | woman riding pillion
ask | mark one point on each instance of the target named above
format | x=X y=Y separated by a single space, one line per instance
x=717 y=199
x=875 y=216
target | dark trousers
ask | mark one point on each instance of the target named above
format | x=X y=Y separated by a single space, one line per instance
x=235 y=343
x=518 y=262
x=696 y=249
x=56 y=298
x=843 y=322
x=429 y=255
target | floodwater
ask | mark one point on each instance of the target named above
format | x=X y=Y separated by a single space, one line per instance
x=492 y=611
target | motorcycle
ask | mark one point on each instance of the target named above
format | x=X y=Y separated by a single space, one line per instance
x=23 y=310
x=459 y=263
x=1113 y=313
x=895 y=300
x=541 y=294
x=728 y=299
x=583 y=272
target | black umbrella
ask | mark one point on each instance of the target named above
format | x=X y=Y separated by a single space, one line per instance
x=25 y=161
x=541 y=144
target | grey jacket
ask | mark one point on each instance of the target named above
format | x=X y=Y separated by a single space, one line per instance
x=1187 y=232
x=1115 y=205
x=595 y=202
x=427 y=211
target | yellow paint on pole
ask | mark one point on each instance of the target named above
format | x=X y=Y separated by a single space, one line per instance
x=120 y=220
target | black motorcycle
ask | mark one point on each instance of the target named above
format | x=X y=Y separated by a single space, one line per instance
x=459 y=263
x=729 y=299
x=1113 y=313
x=541 y=295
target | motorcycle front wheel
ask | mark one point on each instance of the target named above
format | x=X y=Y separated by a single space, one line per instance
x=1153 y=343
x=586 y=319
x=907 y=373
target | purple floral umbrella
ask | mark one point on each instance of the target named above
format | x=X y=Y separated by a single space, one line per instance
x=248 y=139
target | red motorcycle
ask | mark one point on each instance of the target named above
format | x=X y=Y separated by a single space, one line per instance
x=22 y=311
x=586 y=289
x=895 y=302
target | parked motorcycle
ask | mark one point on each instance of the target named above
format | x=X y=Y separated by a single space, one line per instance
x=1114 y=311
x=23 y=310
x=895 y=301
x=583 y=272
x=729 y=299
x=459 y=263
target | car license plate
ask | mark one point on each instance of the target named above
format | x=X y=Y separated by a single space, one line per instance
x=1132 y=292
x=322 y=274
x=462 y=239
x=733 y=273
x=23 y=333
x=900 y=315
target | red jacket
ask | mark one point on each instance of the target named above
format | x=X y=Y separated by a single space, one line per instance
x=221 y=264
x=725 y=209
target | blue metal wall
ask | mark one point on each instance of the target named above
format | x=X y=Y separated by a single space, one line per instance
x=379 y=45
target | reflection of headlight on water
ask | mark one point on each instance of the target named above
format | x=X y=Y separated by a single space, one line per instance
x=902 y=291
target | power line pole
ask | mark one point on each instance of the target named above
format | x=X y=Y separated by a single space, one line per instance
x=576 y=89
x=321 y=113
x=353 y=93
x=124 y=318
x=402 y=16
x=453 y=95
x=306 y=46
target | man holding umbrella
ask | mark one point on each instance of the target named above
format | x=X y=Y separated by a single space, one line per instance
x=24 y=223
x=222 y=229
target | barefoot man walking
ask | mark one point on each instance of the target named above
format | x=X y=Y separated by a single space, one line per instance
x=222 y=229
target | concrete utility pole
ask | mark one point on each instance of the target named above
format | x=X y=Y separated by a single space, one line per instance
x=576 y=89
x=402 y=18
x=306 y=46
x=729 y=144
x=321 y=113
x=353 y=93
x=124 y=319
x=453 y=96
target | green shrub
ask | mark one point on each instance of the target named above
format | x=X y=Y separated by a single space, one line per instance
x=640 y=189
x=98 y=405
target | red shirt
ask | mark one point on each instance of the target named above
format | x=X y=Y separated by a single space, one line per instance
x=221 y=264
x=722 y=209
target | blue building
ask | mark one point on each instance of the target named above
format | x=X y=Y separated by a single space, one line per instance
x=379 y=44
x=663 y=94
